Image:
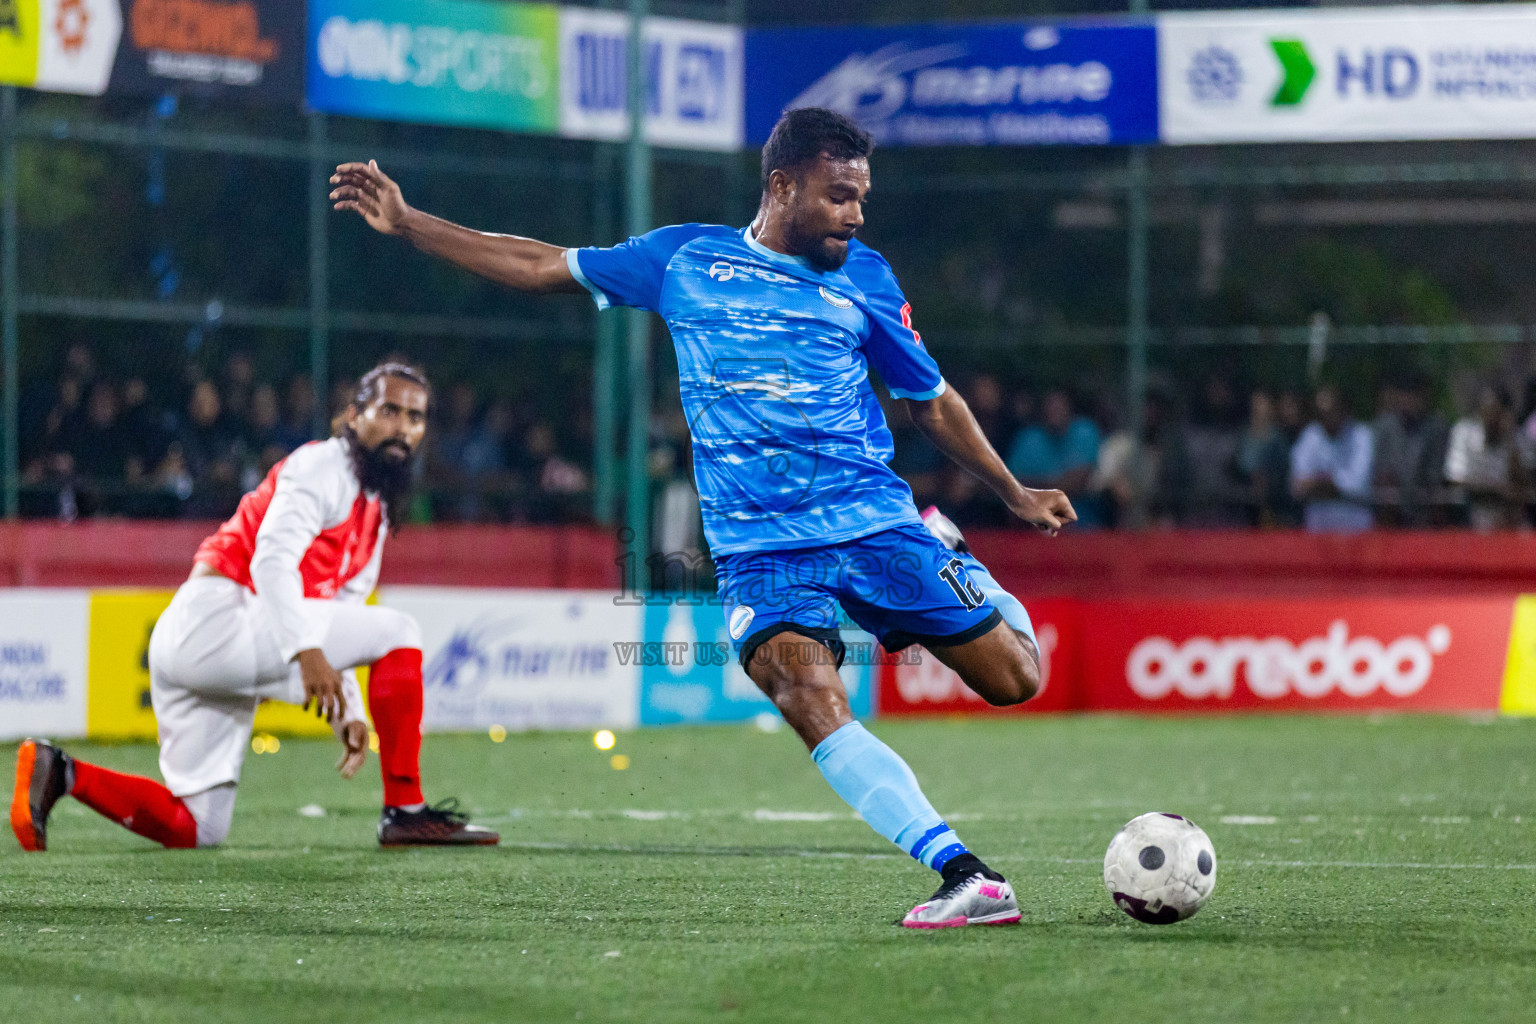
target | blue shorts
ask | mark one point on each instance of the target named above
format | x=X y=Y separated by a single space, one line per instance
x=900 y=584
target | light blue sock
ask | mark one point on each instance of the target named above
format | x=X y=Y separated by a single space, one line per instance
x=877 y=783
x=1011 y=607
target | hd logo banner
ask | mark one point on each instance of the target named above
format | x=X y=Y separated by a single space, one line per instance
x=1348 y=75
x=930 y=85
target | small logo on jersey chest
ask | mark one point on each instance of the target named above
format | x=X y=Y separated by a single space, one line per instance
x=741 y=618
x=837 y=300
x=721 y=271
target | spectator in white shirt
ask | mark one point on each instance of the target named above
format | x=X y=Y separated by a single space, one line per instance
x=1483 y=461
x=1331 y=468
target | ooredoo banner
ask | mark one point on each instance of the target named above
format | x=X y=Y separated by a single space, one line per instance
x=1454 y=72
x=1408 y=654
x=42 y=662
x=523 y=659
x=914 y=682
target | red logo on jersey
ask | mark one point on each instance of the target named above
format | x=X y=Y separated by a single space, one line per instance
x=906 y=321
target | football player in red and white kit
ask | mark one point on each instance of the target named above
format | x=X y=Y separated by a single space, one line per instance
x=274 y=610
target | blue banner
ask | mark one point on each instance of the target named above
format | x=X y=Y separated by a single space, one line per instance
x=935 y=85
x=691 y=674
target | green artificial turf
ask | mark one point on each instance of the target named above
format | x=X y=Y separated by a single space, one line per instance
x=1369 y=869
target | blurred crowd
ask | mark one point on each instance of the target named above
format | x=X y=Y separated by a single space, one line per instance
x=189 y=443
x=1224 y=458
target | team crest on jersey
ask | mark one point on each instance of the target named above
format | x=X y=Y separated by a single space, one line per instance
x=741 y=618
x=837 y=300
x=721 y=271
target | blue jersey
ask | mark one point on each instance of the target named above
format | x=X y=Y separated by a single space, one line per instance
x=789 y=443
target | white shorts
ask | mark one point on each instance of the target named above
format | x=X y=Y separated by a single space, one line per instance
x=214 y=656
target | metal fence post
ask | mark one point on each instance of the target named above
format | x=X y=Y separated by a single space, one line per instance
x=638 y=174
x=10 y=299
x=319 y=275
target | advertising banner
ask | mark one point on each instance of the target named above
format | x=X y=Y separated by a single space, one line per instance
x=523 y=659
x=936 y=85
x=917 y=683
x=1458 y=72
x=227 y=48
x=464 y=62
x=42 y=663
x=19 y=22
x=689 y=671
x=76 y=43
x=1387 y=654
x=693 y=75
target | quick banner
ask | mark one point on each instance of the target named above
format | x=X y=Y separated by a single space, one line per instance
x=1008 y=84
x=459 y=62
x=250 y=49
x=1319 y=654
x=1384 y=73
x=42 y=663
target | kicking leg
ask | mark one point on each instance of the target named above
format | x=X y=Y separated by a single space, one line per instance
x=799 y=675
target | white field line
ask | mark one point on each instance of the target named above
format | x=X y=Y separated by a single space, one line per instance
x=769 y=852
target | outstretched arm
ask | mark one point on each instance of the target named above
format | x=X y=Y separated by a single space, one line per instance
x=520 y=263
x=947 y=421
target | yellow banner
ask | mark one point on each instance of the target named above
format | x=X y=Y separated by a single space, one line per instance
x=117 y=691
x=1519 y=694
x=19 y=20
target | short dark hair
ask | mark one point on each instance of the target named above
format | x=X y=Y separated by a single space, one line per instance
x=804 y=134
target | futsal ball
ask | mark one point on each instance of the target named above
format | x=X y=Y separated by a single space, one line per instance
x=1160 y=868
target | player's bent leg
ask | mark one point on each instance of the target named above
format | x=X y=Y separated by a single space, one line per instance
x=1002 y=665
x=214 y=811
x=874 y=780
x=44 y=774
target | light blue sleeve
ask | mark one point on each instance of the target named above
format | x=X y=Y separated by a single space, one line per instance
x=893 y=348
x=630 y=273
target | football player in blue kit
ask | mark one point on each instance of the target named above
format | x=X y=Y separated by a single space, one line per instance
x=776 y=326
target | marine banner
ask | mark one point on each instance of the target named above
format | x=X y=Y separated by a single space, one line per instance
x=1019 y=83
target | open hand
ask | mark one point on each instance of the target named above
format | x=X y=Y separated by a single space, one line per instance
x=372 y=194
x=1046 y=511
x=354 y=737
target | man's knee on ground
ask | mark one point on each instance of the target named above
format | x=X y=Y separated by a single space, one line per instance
x=214 y=811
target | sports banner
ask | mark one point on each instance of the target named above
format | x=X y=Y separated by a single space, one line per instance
x=914 y=682
x=693 y=78
x=689 y=671
x=229 y=48
x=1462 y=72
x=974 y=85
x=464 y=62
x=1368 y=654
x=42 y=663
x=523 y=659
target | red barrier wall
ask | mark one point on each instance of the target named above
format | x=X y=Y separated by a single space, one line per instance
x=151 y=554
x=1089 y=565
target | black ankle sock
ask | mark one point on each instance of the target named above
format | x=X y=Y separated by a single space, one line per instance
x=965 y=865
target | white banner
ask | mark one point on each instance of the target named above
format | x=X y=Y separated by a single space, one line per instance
x=1348 y=75
x=523 y=659
x=692 y=69
x=42 y=663
x=77 y=44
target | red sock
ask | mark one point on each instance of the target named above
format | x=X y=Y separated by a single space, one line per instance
x=394 y=701
x=138 y=804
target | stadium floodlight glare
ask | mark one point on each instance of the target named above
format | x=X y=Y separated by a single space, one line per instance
x=603 y=739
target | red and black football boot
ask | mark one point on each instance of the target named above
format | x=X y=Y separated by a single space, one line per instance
x=42 y=777
x=440 y=825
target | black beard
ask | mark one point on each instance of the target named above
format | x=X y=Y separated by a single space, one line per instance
x=388 y=477
x=814 y=248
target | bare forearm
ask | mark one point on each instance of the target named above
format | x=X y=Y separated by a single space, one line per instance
x=521 y=263
x=948 y=422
